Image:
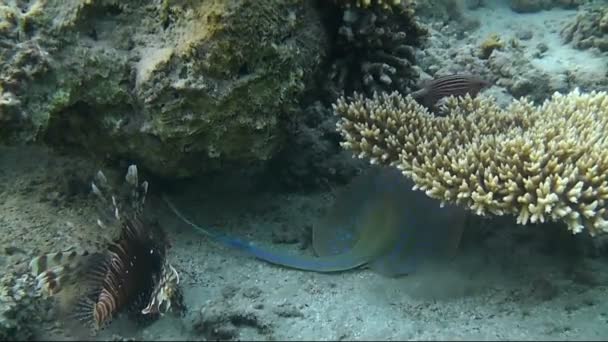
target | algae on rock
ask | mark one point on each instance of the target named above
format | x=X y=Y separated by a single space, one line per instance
x=178 y=86
x=589 y=29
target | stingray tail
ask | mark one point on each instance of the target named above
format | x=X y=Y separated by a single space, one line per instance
x=228 y=241
x=304 y=263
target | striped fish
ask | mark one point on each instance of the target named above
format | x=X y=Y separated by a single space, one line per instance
x=119 y=275
x=458 y=85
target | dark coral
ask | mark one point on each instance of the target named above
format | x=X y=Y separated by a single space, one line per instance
x=313 y=158
x=375 y=49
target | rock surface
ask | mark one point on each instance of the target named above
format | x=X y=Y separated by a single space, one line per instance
x=170 y=84
x=589 y=29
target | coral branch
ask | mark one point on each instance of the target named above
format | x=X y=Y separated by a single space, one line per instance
x=545 y=163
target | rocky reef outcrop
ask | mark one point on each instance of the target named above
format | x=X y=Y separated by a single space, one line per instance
x=20 y=308
x=178 y=86
x=589 y=29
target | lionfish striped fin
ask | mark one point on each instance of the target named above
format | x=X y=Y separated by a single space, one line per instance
x=96 y=308
x=83 y=311
x=55 y=270
x=138 y=191
x=164 y=293
x=107 y=206
x=109 y=281
x=111 y=206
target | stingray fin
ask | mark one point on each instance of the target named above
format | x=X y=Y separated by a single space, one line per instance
x=378 y=220
x=427 y=231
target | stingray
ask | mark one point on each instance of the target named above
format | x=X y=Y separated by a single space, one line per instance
x=377 y=221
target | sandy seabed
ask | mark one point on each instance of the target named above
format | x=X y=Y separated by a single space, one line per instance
x=506 y=283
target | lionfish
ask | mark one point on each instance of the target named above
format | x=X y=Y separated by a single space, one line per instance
x=130 y=273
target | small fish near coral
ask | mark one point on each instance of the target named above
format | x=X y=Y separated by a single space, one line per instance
x=378 y=221
x=130 y=274
x=432 y=91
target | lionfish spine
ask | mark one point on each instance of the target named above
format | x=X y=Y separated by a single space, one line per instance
x=104 y=308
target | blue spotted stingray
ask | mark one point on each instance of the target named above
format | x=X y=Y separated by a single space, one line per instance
x=377 y=221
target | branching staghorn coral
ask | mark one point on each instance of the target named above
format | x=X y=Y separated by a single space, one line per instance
x=541 y=163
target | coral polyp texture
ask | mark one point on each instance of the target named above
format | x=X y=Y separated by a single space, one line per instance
x=376 y=49
x=541 y=163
